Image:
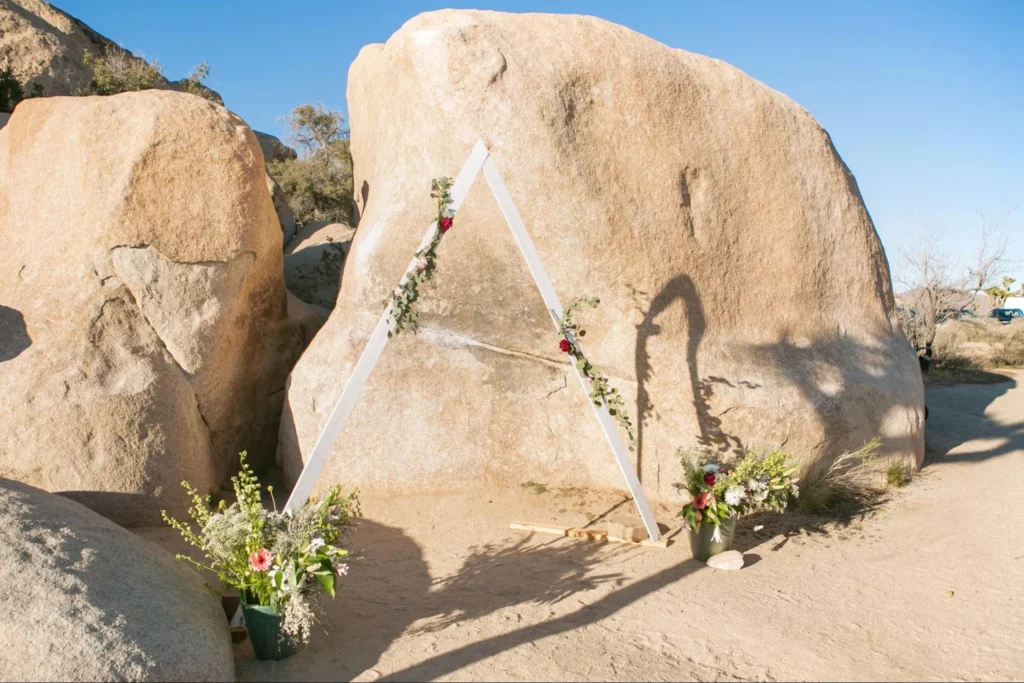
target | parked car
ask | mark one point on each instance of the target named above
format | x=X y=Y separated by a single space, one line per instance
x=1006 y=315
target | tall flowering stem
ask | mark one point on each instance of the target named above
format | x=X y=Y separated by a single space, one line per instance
x=403 y=316
x=601 y=393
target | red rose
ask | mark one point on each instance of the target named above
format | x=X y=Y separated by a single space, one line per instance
x=700 y=501
x=709 y=478
x=446 y=224
x=565 y=345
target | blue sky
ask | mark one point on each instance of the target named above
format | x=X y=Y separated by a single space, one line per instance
x=924 y=101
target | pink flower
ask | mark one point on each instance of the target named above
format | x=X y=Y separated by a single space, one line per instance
x=421 y=263
x=340 y=570
x=700 y=501
x=261 y=560
x=446 y=224
x=564 y=345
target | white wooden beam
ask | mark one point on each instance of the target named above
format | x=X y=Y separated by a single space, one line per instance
x=547 y=292
x=374 y=347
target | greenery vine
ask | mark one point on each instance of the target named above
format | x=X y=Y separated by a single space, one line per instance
x=601 y=393
x=403 y=316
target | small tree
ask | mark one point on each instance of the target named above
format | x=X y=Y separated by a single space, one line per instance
x=936 y=286
x=11 y=91
x=991 y=259
x=1001 y=292
x=318 y=184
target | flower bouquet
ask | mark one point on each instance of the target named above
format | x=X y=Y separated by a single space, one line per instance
x=275 y=560
x=723 y=489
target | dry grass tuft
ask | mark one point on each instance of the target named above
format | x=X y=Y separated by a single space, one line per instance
x=853 y=482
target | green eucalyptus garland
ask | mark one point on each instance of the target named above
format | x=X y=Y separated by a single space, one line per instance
x=601 y=393
x=402 y=314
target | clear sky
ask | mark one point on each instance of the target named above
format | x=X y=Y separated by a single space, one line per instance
x=924 y=101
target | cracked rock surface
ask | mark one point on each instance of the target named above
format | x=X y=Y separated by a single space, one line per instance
x=144 y=322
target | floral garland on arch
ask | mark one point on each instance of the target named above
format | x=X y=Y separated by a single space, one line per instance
x=601 y=393
x=402 y=314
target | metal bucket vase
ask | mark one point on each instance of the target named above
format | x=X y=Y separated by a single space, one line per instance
x=268 y=640
x=701 y=544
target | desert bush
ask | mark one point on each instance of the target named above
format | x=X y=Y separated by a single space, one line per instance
x=116 y=71
x=947 y=357
x=318 y=184
x=852 y=481
x=193 y=84
x=11 y=91
x=1011 y=352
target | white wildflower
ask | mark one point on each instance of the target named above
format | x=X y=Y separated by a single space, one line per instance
x=298 y=618
x=316 y=544
x=717 y=536
x=341 y=569
x=734 y=495
x=796 y=491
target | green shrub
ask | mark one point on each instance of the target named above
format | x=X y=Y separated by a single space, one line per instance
x=11 y=91
x=897 y=476
x=116 y=71
x=318 y=185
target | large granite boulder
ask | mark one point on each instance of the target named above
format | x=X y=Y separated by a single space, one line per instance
x=145 y=339
x=745 y=296
x=85 y=600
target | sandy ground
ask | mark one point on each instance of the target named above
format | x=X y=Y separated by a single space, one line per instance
x=931 y=586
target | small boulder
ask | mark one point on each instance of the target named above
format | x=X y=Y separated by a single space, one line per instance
x=273 y=149
x=730 y=560
x=285 y=217
x=83 y=599
x=314 y=260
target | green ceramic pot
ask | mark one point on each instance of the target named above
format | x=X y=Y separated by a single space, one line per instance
x=703 y=547
x=265 y=634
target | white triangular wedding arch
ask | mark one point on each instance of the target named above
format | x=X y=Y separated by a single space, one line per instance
x=479 y=160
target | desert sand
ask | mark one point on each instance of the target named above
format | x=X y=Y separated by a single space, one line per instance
x=929 y=586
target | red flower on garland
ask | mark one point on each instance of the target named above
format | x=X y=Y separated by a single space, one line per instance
x=700 y=501
x=565 y=345
x=709 y=478
x=446 y=224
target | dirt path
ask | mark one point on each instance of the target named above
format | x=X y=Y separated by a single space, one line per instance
x=930 y=587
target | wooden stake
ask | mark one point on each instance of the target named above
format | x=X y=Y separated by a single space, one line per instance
x=599 y=535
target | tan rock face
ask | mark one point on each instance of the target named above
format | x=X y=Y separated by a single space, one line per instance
x=143 y=330
x=43 y=46
x=85 y=600
x=746 y=299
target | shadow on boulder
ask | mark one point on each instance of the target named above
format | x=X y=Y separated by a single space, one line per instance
x=13 y=335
